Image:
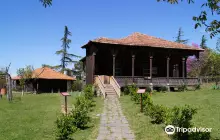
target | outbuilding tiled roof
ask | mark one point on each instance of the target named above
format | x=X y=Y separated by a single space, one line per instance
x=139 y=39
x=47 y=73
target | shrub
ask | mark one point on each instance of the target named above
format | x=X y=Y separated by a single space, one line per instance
x=148 y=89
x=126 y=90
x=181 y=117
x=82 y=102
x=158 y=114
x=200 y=136
x=80 y=114
x=147 y=104
x=182 y=88
x=197 y=87
x=77 y=85
x=216 y=87
x=88 y=91
x=64 y=128
x=132 y=90
x=163 y=89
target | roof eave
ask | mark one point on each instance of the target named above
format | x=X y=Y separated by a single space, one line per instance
x=87 y=44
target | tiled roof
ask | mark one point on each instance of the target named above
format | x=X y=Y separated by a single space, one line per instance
x=16 y=78
x=138 y=39
x=48 y=73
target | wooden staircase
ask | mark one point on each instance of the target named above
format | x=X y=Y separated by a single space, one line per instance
x=108 y=87
x=109 y=90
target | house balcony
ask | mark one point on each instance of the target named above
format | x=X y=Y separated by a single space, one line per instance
x=141 y=81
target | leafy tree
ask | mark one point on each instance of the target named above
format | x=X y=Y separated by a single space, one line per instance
x=2 y=71
x=49 y=66
x=203 y=42
x=215 y=64
x=78 y=69
x=179 y=37
x=52 y=67
x=201 y=20
x=25 y=75
x=66 y=58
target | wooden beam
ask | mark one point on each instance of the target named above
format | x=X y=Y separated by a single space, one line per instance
x=113 y=64
x=168 y=69
x=183 y=67
x=133 y=58
x=151 y=63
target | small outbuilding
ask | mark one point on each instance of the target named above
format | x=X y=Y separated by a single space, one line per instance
x=45 y=80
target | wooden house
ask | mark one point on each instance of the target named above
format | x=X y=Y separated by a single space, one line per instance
x=140 y=59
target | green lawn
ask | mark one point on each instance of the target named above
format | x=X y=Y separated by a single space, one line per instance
x=32 y=117
x=206 y=100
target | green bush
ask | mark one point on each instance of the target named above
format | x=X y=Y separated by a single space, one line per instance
x=162 y=89
x=197 y=87
x=200 y=136
x=88 y=91
x=158 y=113
x=148 y=89
x=182 y=88
x=80 y=114
x=216 y=87
x=181 y=117
x=147 y=104
x=126 y=90
x=82 y=102
x=132 y=90
x=77 y=85
x=65 y=129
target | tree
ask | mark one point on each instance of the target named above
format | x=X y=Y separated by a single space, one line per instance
x=218 y=45
x=25 y=75
x=203 y=42
x=201 y=20
x=179 y=37
x=66 y=58
x=46 y=2
x=78 y=69
x=215 y=64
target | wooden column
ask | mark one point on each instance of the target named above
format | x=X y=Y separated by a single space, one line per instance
x=93 y=67
x=114 y=65
x=151 y=62
x=183 y=67
x=168 y=69
x=37 y=86
x=133 y=58
x=94 y=63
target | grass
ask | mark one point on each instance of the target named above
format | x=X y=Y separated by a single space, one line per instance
x=33 y=117
x=139 y=123
x=205 y=100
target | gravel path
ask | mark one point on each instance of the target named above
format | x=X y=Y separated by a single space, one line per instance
x=114 y=125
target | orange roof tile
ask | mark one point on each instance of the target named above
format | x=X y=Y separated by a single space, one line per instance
x=16 y=78
x=47 y=73
x=138 y=39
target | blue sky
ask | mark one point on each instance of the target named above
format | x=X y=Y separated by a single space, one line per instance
x=30 y=34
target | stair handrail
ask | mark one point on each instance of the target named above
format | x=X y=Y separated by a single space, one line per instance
x=100 y=85
x=115 y=85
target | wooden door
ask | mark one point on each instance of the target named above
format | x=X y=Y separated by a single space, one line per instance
x=106 y=80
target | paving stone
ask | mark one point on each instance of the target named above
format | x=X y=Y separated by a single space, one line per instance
x=114 y=125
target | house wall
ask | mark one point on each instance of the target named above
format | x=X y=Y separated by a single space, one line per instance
x=44 y=86
x=47 y=86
